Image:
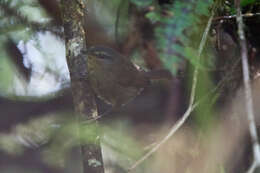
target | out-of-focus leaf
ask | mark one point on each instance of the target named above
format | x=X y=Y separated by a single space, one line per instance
x=153 y=16
x=6 y=72
x=192 y=56
x=244 y=3
x=142 y=3
x=172 y=34
x=52 y=8
x=17 y=58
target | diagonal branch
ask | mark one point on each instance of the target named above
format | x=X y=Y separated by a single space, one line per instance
x=191 y=106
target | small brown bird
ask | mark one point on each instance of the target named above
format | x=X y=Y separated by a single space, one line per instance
x=114 y=78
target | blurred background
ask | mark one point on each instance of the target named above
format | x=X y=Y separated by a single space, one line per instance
x=38 y=129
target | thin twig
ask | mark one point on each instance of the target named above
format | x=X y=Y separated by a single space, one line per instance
x=248 y=92
x=208 y=95
x=191 y=106
x=252 y=167
x=234 y=16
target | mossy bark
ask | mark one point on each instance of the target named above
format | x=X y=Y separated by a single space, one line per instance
x=73 y=14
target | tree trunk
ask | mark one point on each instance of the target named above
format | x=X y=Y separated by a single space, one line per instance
x=73 y=13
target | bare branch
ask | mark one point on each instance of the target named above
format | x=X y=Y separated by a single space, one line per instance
x=247 y=15
x=190 y=108
x=248 y=92
x=252 y=167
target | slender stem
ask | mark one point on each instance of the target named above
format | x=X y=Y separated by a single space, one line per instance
x=248 y=91
x=190 y=108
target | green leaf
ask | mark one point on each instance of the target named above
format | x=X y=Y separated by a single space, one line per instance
x=141 y=3
x=244 y=3
x=153 y=16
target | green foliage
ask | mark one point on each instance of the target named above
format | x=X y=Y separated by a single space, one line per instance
x=172 y=34
x=19 y=21
x=191 y=52
x=222 y=169
x=244 y=3
x=7 y=73
x=115 y=138
x=153 y=16
x=205 y=113
x=22 y=17
x=142 y=3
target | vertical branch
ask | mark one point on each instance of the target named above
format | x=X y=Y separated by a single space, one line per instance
x=73 y=12
x=248 y=92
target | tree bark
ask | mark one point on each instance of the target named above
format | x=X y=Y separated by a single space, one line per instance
x=73 y=14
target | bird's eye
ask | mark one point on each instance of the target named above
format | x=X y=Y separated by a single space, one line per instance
x=104 y=56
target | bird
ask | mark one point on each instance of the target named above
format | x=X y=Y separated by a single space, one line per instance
x=114 y=78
